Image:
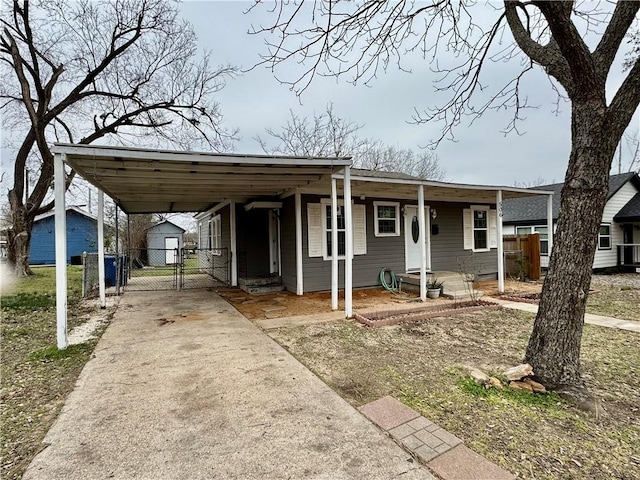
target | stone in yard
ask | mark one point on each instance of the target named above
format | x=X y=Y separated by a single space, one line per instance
x=523 y=386
x=518 y=372
x=478 y=376
x=495 y=382
x=537 y=387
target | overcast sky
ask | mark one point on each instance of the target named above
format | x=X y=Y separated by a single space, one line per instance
x=481 y=154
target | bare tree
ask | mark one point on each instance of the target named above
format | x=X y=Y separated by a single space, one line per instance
x=327 y=134
x=323 y=135
x=629 y=148
x=536 y=182
x=374 y=155
x=79 y=71
x=357 y=40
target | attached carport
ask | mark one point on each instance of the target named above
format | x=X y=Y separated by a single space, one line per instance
x=163 y=181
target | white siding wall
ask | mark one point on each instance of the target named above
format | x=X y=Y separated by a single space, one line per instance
x=609 y=258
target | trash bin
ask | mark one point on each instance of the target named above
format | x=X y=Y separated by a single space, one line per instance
x=110 y=270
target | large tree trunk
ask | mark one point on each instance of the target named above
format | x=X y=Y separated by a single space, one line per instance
x=19 y=236
x=554 y=345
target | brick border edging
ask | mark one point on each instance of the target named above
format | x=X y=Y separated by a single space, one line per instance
x=516 y=298
x=427 y=312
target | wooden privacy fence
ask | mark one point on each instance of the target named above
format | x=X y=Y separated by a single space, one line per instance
x=522 y=255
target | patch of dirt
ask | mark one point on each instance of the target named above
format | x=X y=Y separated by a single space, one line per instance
x=420 y=363
x=511 y=287
x=289 y=304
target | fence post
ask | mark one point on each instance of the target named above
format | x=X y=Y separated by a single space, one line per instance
x=177 y=262
x=84 y=274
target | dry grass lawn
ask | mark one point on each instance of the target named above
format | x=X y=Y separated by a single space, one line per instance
x=539 y=437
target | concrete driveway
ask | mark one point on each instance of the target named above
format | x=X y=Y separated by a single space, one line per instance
x=184 y=386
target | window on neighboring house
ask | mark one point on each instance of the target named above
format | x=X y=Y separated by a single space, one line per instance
x=480 y=229
x=544 y=239
x=209 y=235
x=387 y=219
x=341 y=231
x=604 y=237
x=544 y=236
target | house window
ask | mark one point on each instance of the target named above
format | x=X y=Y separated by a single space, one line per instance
x=387 y=219
x=604 y=237
x=544 y=236
x=209 y=235
x=216 y=232
x=341 y=231
x=480 y=229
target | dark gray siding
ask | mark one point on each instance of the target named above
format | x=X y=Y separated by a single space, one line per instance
x=382 y=252
x=288 y=243
x=447 y=252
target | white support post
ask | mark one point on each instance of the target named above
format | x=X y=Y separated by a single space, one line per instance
x=61 y=251
x=500 y=242
x=299 y=283
x=348 y=250
x=550 y=223
x=234 y=246
x=423 y=246
x=334 y=244
x=428 y=236
x=101 y=284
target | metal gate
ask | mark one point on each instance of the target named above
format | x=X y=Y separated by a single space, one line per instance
x=204 y=268
x=175 y=269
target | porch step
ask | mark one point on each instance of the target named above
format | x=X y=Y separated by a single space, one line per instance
x=263 y=289
x=453 y=285
x=259 y=281
x=258 y=285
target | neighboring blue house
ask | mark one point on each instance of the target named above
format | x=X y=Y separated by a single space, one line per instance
x=82 y=236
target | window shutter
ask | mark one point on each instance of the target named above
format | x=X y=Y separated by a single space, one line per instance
x=493 y=229
x=315 y=229
x=466 y=227
x=359 y=230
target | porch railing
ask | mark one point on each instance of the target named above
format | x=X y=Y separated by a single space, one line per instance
x=628 y=254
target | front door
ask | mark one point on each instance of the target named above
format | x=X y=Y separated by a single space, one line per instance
x=170 y=249
x=412 y=238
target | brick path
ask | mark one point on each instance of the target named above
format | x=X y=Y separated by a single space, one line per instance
x=441 y=451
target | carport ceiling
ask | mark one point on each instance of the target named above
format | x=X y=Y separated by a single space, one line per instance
x=147 y=181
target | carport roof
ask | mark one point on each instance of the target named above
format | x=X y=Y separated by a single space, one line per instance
x=146 y=180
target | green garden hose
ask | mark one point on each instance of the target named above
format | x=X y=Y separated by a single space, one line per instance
x=393 y=285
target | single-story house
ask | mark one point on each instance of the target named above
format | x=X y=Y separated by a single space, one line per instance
x=164 y=242
x=82 y=236
x=461 y=224
x=315 y=223
x=619 y=235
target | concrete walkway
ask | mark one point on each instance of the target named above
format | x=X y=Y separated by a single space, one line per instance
x=184 y=387
x=590 y=318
